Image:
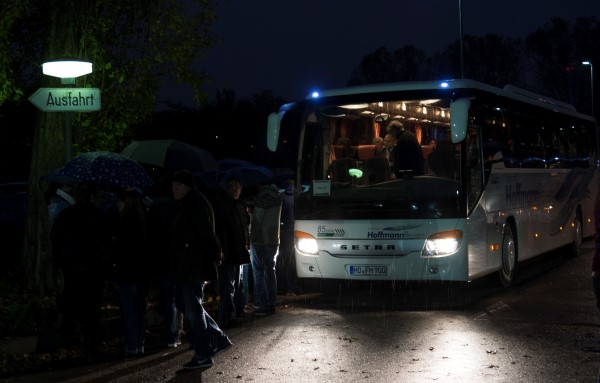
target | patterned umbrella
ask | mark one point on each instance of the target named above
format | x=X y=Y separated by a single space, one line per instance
x=106 y=168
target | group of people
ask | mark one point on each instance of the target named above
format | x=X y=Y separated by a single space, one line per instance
x=180 y=242
x=404 y=155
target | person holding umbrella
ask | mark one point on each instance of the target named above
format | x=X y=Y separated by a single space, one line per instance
x=232 y=223
x=58 y=197
x=195 y=254
x=80 y=240
x=264 y=234
x=131 y=268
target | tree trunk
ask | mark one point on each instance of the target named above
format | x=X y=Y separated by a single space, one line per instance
x=48 y=153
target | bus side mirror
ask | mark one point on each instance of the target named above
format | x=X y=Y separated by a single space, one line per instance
x=273 y=125
x=459 y=119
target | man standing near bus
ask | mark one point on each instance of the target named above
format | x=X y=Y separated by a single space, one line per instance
x=264 y=233
x=231 y=227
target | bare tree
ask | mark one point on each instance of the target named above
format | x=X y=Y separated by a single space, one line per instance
x=556 y=52
x=382 y=66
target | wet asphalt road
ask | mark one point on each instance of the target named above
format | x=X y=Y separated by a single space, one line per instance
x=545 y=328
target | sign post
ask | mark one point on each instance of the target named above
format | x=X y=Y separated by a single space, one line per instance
x=67 y=100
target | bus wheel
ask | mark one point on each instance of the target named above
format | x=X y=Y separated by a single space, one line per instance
x=509 y=256
x=575 y=249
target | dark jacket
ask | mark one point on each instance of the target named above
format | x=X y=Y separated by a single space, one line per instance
x=408 y=154
x=161 y=215
x=266 y=218
x=195 y=250
x=232 y=223
x=81 y=239
x=131 y=260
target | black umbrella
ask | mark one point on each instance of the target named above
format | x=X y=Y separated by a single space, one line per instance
x=171 y=155
x=249 y=176
x=230 y=163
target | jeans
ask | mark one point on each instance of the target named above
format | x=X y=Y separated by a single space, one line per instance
x=263 y=259
x=245 y=286
x=81 y=301
x=229 y=291
x=133 y=299
x=204 y=333
x=168 y=310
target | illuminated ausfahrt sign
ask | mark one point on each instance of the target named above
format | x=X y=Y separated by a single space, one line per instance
x=66 y=99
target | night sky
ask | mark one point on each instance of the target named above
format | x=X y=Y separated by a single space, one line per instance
x=292 y=47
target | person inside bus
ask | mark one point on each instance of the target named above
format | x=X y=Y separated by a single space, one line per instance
x=390 y=150
x=347 y=151
x=345 y=159
x=379 y=147
x=409 y=157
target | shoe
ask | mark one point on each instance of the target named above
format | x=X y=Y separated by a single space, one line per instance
x=260 y=313
x=228 y=324
x=130 y=355
x=196 y=363
x=174 y=344
x=224 y=346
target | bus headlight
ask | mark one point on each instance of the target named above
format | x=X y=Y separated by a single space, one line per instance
x=442 y=244
x=306 y=243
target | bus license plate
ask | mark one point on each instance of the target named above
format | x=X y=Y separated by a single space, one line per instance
x=368 y=270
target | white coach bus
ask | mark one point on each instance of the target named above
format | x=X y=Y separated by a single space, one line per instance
x=502 y=176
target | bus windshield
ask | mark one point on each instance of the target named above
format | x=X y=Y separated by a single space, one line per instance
x=380 y=159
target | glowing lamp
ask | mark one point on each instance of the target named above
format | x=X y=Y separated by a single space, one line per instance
x=66 y=68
